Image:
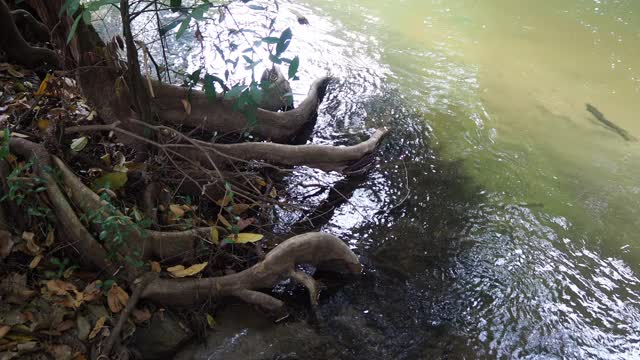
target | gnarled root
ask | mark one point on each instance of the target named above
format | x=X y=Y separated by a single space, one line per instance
x=320 y=249
x=16 y=48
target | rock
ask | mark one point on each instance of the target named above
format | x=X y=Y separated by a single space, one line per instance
x=243 y=333
x=278 y=95
x=161 y=338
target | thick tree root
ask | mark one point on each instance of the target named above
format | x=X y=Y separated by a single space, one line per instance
x=29 y=26
x=156 y=244
x=323 y=157
x=219 y=115
x=79 y=237
x=322 y=250
x=16 y=48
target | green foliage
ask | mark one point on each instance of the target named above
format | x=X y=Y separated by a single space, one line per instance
x=116 y=227
x=4 y=144
x=23 y=186
x=72 y=8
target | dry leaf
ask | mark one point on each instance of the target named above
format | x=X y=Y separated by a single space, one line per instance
x=155 y=266
x=92 y=292
x=211 y=321
x=260 y=181
x=215 y=235
x=117 y=298
x=68 y=273
x=240 y=208
x=176 y=210
x=15 y=73
x=273 y=193
x=180 y=271
x=33 y=248
x=78 y=356
x=43 y=124
x=34 y=263
x=59 y=287
x=244 y=223
x=187 y=106
x=224 y=221
x=65 y=325
x=4 y=330
x=57 y=112
x=50 y=238
x=97 y=327
x=244 y=238
x=60 y=352
x=78 y=144
x=224 y=201
x=141 y=315
x=43 y=85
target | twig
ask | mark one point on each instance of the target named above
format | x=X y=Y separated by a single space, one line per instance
x=143 y=282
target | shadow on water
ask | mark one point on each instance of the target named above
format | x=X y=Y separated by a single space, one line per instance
x=411 y=229
x=406 y=220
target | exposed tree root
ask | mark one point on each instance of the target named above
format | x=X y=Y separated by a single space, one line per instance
x=318 y=249
x=29 y=26
x=323 y=157
x=16 y=48
x=220 y=116
x=79 y=237
x=322 y=250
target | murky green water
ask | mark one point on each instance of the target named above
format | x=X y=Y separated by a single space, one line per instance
x=543 y=263
x=502 y=220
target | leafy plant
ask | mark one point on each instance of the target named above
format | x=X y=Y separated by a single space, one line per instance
x=23 y=185
x=116 y=227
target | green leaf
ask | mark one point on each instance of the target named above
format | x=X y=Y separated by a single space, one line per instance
x=86 y=17
x=113 y=180
x=235 y=92
x=198 y=13
x=195 y=76
x=283 y=41
x=248 y=59
x=183 y=27
x=271 y=40
x=244 y=238
x=175 y=4
x=293 y=67
x=274 y=59
x=68 y=5
x=209 y=87
x=168 y=27
x=72 y=31
x=215 y=235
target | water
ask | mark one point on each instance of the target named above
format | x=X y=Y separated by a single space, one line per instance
x=502 y=218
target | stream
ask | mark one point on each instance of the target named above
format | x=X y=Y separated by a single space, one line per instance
x=502 y=218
